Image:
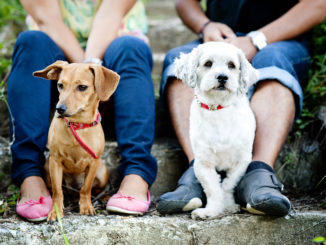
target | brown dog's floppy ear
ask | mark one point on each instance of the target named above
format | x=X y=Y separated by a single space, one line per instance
x=51 y=72
x=106 y=81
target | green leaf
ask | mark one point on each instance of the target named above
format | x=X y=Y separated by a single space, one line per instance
x=60 y=224
x=323 y=204
x=319 y=239
x=321 y=181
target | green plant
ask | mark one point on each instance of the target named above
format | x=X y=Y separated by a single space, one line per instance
x=11 y=11
x=12 y=16
x=60 y=224
x=3 y=98
x=323 y=202
x=315 y=90
x=320 y=240
x=8 y=200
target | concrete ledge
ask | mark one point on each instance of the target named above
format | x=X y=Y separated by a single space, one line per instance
x=300 y=228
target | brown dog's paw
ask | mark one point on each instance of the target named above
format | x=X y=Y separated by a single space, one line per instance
x=86 y=209
x=52 y=216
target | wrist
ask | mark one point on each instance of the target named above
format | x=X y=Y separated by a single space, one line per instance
x=93 y=60
x=258 y=39
x=202 y=28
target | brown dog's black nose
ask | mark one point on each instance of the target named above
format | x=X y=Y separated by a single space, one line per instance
x=222 y=79
x=61 y=109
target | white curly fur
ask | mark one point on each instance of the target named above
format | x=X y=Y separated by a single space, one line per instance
x=222 y=139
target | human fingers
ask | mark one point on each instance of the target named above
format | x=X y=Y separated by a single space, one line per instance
x=245 y=45
x=215 y=31
x=226 y=31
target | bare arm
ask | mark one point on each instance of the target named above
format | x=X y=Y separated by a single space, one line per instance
x=191 y=14
x=302 y=17
x=106 y=25
x=47 y=16
x=299 y=19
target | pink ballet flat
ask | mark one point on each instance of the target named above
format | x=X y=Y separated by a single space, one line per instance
x=120 y=203
x=35 y=210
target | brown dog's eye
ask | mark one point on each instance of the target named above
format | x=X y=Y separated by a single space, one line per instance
x=82 y=88
x=231 y=65
x=208 y=63
x=60 y=86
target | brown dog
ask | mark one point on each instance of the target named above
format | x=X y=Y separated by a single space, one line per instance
x=76 y=156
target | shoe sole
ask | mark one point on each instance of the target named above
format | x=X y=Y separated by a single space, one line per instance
x=252 y=210
x=122 y=211
x=192 y=204
x=170 y=207
x=37 y=219
x=268 y=209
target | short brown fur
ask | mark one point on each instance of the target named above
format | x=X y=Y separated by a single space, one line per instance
x=67 y=159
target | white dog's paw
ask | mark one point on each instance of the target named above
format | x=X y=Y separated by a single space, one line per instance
x=204 y=213
x=234 y=208
x=229 y=203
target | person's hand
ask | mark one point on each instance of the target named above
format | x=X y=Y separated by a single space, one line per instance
x=245 y=44
x=215 y=31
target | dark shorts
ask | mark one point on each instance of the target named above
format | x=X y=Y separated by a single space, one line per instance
x=285 y=61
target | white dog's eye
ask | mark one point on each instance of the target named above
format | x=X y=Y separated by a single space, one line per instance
x=231 y=65
x=208 y=63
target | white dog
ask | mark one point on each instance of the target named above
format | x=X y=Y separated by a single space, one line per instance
x=222 y=124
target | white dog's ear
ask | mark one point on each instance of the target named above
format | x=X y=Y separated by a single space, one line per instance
x=248 y=74
x=185 y=67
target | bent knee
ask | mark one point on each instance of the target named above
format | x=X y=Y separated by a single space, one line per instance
x=128 y=46
x=32 y=39
x=273 y=89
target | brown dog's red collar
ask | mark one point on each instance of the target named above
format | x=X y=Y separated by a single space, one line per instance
x=76 y=126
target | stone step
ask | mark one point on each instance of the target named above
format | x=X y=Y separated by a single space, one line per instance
x=163 y=36
x=171 y=164
x=166 y=31
x=157 y=72
x=160 y=9
x=300 y=228
x=300 y=164
x=167 y=34
x=170 y=159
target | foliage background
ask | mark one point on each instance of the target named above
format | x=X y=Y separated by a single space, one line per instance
x=12 y=17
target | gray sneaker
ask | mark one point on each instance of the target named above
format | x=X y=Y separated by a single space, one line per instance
x=187 y=196
x=260 y=193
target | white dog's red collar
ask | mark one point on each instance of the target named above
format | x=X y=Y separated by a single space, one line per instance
x=208 y=107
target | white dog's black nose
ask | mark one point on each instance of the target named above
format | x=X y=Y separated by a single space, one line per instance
x=61 y=109
x=222 y=79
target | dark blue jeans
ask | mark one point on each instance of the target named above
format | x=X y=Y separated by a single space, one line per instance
x=30 y=101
